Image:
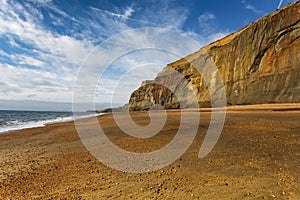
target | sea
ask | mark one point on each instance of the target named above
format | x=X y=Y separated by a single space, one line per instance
x=11 y=120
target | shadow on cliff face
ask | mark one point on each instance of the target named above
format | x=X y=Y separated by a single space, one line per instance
x=161 y=97
x=258 y=64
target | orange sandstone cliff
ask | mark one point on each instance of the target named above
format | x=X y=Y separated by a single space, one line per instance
x=258 y=64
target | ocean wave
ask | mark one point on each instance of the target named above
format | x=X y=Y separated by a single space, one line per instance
x=19 y=124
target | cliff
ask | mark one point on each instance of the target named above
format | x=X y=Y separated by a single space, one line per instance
x=258 y=64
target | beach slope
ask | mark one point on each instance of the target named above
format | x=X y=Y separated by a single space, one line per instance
x=257 y=156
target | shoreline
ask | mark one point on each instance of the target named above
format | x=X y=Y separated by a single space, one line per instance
x=43 y=123
x=232 y=108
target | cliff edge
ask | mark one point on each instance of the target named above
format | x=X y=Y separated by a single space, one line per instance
x=258 y=64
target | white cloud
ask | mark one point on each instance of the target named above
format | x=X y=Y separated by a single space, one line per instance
x=253 y=9
x=128 y=12
x=126 y=15
x=29 y=32
x=41 y=2
x=23 y=59
x=47 y=66
x=163 y=14
x=207 y=23
x=144 y=52
x=13 y=42
x=20 y=82
x=26 y=60
x=54 y=55
x=206 y=17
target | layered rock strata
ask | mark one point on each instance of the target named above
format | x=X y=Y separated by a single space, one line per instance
x=258 y=64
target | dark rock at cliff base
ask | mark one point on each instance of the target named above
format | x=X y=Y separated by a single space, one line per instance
x=258 y=64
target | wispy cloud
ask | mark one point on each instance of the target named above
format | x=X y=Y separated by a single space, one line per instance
x=209 y=29
x=253 y=9
x=206 y=17
x=41 y=61
x=207 y=23
x=127 y=13
x=41 y=2
x=280 y=3
x=163 y=13
x=33 y=34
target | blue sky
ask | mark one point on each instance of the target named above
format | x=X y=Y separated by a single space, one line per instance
x=43 y=43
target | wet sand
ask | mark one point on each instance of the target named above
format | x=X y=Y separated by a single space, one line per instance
x=256 y=157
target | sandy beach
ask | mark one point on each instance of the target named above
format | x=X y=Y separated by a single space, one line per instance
x=256 y=157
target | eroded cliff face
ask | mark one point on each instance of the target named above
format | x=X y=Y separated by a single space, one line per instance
x=258 y=64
